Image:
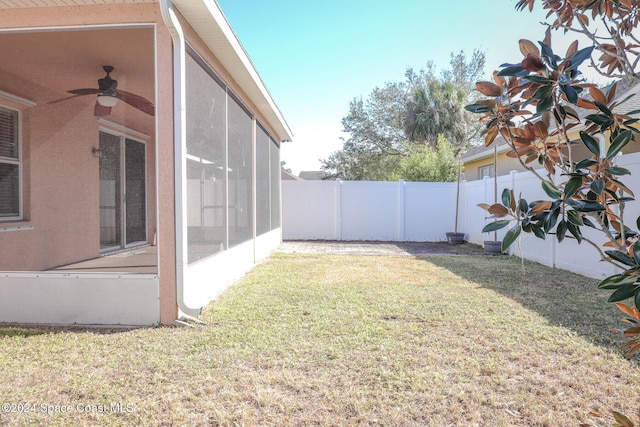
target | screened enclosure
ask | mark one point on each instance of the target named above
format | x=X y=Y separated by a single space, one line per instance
x=221 y=131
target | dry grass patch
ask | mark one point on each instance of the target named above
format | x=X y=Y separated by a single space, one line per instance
x=341 y=340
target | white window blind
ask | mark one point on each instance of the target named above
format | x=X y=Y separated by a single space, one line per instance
x=9 y=165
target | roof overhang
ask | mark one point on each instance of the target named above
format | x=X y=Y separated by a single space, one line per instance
x=485 y=153
x=209 y=22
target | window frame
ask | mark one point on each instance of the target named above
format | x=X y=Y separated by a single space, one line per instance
x=491 y=168
x=15 y=161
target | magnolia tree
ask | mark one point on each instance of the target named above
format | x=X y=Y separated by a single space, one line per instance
x=534 y=105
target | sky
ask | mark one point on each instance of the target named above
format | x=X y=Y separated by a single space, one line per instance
x=316 y=57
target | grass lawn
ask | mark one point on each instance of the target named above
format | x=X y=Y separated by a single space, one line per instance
x=345 y=340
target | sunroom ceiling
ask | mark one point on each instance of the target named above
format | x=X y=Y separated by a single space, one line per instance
x=209 y=22
x=41 y=66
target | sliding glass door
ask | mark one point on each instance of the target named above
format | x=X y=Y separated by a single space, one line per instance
x=123 y=206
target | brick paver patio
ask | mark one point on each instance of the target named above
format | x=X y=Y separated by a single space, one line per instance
x=378 y=248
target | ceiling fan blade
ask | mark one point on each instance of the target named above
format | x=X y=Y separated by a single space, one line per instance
x=85 y=91
x=100 y=111
x=136 y=101
x=77 y=93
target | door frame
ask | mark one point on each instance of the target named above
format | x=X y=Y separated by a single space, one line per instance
x=123 y=134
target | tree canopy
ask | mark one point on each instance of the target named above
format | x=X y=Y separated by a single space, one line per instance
x=396 y=120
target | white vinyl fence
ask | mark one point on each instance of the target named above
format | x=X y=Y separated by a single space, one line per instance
x=366 y=210
x=408 y=211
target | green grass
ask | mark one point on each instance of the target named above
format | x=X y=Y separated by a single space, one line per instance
x=347 y=340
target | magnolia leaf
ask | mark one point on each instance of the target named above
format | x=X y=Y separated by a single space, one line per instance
x=573 y=48
x=619 y=143
x=573 y=185
x=523 y=206
x=477 y=108
x=575 y=218
x=550 y=219
x=497 y=225
x=580 y=56
x=484 y=206
x=551 y=190
x=575 y=231
x=602 y=107
x=510 y=237
x=541 y=206
x=585 y=206
x=626 y=310
x=491 y=136
x=506 y=197
x=591 y=143
x=528 y=47
x=621 y=257
x=561 y=230
x=616 y=281
x=498 y=210
x=571 y=93
x=617 y=170
x=597 y=186
x=636 y=252
x=512 y=70
x=597 y=95
x=538 y=232
x=488 y=89
x=622 y=419
x=586 y=163
x=624 y=292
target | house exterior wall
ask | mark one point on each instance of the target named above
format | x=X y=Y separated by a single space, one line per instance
x=49 y=234
x=58 y=148
x=61 y=188
x=505 y=165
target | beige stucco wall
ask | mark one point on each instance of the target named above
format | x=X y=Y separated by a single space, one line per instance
x=61 y=182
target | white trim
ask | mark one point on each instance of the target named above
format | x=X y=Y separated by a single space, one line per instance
x=19 y=161
x=76 y=27
x=17 y=99
x=180 y=149
x=123 y=210
x=107 y=125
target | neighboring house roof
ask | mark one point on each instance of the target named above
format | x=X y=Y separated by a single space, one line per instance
x=288 y=176
x=623 y=90
x=209 y=22
x=481 y=152
x=312 y=175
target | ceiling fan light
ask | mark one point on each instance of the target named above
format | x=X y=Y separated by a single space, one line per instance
x=107 y=100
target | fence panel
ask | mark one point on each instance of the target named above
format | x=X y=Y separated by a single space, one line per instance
x=369 y=210
x=429 y=210
x=365 y=210
x=309 y=210
x=399 y=211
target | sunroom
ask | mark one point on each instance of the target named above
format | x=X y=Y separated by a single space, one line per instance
x=139 y=161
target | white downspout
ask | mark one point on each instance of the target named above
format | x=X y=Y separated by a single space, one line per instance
x=180 y=145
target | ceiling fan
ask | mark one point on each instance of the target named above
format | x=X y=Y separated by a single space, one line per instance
x=108 y=96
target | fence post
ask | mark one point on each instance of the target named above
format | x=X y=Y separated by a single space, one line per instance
x=338 y=210
x=400 y=231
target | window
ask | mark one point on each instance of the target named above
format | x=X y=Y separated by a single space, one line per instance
x=485 y=171
x=10 y=163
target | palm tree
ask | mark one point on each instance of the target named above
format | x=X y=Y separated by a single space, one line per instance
x=434 y=110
